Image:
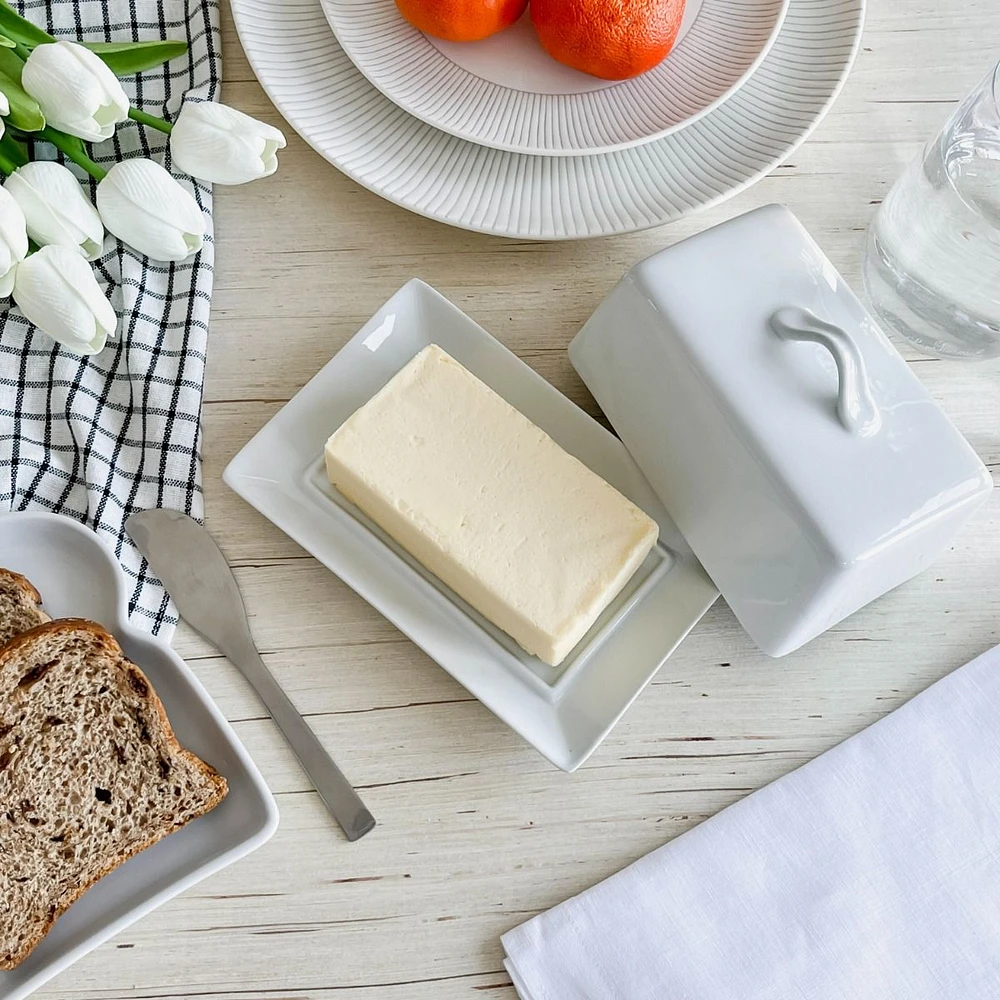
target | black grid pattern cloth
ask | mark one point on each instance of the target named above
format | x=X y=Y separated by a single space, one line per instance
x=101 y=437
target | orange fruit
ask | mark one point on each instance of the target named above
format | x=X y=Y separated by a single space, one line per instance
x=612 y=39
x=461 y=20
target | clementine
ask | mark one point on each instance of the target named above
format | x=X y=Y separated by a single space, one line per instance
x=461 y=20
x=612 y=39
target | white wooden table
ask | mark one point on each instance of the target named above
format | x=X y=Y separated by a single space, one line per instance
x=477 y=832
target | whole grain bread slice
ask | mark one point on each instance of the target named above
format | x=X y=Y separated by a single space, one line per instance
x=90 y=774
x=20 y=605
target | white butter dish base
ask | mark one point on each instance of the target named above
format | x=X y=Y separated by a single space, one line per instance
x=78 y=577
x=563 y=711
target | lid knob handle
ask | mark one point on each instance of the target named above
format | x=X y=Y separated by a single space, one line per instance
x=855 y=405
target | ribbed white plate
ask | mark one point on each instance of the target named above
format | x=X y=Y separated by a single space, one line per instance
x=507 y=92
x=336 y=110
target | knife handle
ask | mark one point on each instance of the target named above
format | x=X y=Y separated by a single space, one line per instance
x=334 y=789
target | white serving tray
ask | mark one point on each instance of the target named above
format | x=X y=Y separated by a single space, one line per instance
x=564 y=711
x=78 y=577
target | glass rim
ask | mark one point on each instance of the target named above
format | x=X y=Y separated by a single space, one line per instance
x=996 y=90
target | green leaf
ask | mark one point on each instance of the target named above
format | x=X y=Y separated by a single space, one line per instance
x=7 y=43
x=20 y=29
x=13 y=150
x=10 y=64
x=126 y=58
x=25 y=114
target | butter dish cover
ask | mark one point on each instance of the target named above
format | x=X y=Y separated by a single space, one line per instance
x=800 y=457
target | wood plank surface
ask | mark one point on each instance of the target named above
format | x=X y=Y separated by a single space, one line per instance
x=477 y=832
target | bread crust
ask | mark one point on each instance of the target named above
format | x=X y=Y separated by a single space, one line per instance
x=217 y=780
x=14 y=583
x=21 y=583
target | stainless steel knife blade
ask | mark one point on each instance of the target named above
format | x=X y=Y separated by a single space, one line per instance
x=196 y=574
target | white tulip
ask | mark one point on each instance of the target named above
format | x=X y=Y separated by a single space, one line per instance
x=4 y=108
x=56 y=208
x=56 y=290
x=222 y=145
x=13 y=241
x=75 y=89
x=147 y=209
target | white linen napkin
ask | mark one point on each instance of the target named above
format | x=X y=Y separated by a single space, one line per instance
x=871 y=873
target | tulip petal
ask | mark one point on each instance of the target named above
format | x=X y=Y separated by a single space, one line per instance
x=57 y=291
x=115 y=96
x=152 y=238
x=13 y=240
x=56 y=208
x=75 y=90
x=224 y=117
x=146 y=208
x=13 y=229
x=269 y=158
x=214 y=156
x=102 y=82
x=222 y=145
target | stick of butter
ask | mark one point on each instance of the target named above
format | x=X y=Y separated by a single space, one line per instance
x=489 y=503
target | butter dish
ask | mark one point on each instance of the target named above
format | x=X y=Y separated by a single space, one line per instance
x=563 y=711
x=800 y=457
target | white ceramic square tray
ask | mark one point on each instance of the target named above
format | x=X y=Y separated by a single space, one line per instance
x=78 y=577
x=565 y=711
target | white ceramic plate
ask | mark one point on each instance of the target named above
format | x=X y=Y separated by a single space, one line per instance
x=78 y=577
x=507 y=92
x=335 y=109
x=564 y=711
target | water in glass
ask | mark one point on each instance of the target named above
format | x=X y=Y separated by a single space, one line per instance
x=932 y=263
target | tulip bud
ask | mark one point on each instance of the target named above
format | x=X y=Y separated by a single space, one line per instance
x=56 y=290
x=13 y=240
x=56 y=208
x=147 y=209
x=76 y=91
x=222 y=145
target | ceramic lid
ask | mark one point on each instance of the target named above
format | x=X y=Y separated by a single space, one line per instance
x=802 y=460
x=807 y=379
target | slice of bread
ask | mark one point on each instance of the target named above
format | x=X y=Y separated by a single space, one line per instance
x=20 y=605
x=90 y=774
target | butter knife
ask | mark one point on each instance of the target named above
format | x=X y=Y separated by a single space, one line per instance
x=193 y=569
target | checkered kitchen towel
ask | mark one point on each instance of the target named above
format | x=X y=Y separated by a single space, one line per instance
x=100 y=437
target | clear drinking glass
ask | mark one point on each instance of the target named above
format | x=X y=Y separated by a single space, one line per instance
x=932 y=262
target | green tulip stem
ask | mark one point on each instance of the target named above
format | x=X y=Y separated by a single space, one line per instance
x=7 y=165
x=21 y=51
x=151 y=121
x=71 y=147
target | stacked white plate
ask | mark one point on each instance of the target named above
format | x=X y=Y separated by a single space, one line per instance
x=496 y=136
